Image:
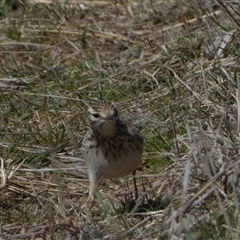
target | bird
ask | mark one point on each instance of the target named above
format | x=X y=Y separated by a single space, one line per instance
x=112 y=147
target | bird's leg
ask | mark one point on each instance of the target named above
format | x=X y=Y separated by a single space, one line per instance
x=135 y=184
x=94 y=180
x=92 y=190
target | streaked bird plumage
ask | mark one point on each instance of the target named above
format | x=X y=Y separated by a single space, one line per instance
x=111 y=147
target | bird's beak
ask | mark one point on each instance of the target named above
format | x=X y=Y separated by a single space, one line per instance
x=112 y=118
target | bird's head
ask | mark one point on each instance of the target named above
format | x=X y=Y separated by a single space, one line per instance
x=102 y=117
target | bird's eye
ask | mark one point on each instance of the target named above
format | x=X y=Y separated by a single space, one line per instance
x=96 y=115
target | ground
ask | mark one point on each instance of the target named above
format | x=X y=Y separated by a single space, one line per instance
x=171 y=67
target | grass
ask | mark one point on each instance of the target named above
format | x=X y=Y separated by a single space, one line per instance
x=171 y=67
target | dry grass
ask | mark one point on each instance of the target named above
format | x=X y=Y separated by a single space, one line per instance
x=171 y=67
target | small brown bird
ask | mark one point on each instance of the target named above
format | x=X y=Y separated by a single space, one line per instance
x=111 y=147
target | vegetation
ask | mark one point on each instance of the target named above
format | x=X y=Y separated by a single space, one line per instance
x=171 y=67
